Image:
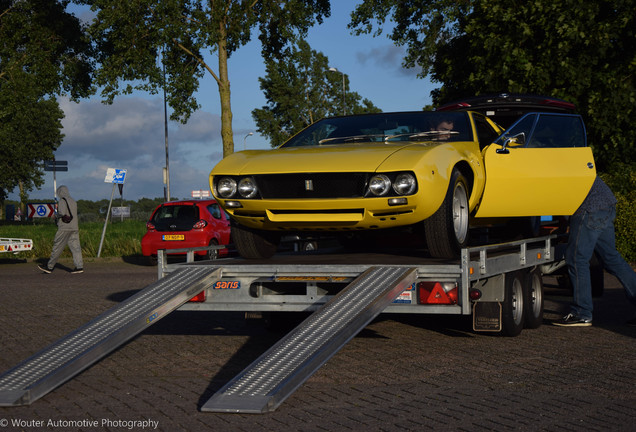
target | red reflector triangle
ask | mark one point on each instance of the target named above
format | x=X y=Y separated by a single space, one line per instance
x=438 y=296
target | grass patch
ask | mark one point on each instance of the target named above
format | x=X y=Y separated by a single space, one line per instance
x=121 y=239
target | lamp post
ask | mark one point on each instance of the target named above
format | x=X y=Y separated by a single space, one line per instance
x=166 y=171
x=344 y=103
x=249 y=134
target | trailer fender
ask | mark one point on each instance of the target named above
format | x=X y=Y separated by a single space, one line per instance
x=492 y=289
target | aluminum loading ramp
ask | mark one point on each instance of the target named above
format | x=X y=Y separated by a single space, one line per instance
x=75 y=352
x=276 y=374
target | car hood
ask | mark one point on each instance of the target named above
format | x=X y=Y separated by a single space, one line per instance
x=328 y=158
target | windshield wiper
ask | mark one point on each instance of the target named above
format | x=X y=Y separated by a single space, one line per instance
x=421 y=134
x=351 y=138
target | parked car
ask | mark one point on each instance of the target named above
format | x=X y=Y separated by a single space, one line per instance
x=185 y=224
x=506 y=108
x=440 y=171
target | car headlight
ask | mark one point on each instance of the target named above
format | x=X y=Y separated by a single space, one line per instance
x=226 y=187
x=404 y=184
x=379 y=185
x=247 y=187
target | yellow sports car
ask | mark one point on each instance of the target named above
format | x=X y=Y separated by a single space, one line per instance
x=444 y=170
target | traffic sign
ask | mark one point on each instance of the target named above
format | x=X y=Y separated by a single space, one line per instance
x=200 y=193
x=115 y=176
x=40 y=210
x=53 y=165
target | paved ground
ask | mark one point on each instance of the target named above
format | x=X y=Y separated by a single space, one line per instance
x=400 y=373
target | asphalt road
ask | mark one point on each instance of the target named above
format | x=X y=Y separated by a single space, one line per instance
x=400 y=373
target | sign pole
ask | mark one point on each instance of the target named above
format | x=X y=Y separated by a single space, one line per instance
x=116 y=176
x=101 y=242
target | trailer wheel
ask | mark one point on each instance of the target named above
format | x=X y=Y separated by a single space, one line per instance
x=446 y=231
x=254 y=244
x=512 y=314
x=533 y=299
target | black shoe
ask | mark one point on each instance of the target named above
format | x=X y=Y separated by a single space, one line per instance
x=572 y=320
x=45 y=269
x=77 y=270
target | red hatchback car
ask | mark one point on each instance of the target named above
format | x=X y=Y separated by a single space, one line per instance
x=185 y=224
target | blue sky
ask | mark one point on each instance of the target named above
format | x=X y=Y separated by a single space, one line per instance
x=130 y=133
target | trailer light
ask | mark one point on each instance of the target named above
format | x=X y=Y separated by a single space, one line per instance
x=474 y=294
x=199 y=298
x=437 y=293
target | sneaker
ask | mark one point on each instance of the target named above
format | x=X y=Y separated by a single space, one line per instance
x=77 y=270
x=572 y=320
x=45 y=269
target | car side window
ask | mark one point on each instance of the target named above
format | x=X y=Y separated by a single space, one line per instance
x=555 y=131
x=486 y=135
x=215 y=211
x=520 y=131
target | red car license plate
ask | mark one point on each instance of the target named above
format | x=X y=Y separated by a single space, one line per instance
x=172 y=237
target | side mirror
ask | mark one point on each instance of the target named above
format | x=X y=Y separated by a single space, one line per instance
x=519 y=139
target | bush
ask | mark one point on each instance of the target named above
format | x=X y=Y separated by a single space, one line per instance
x=622 y=180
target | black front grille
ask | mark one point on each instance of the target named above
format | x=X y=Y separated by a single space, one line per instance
x=312 y=185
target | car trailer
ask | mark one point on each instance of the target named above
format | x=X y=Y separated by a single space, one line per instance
x=499 y=285
x=15 y=245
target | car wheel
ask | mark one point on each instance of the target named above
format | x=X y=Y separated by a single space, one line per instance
x=512 y=314
x=213 y=253
x=533 y=299
x=446 y=231
x=254 y=244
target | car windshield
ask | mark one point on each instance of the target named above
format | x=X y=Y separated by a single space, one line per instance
x=175 y=217
x=386 y=127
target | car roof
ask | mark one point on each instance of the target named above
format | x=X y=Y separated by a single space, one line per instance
x=189 y=202
x=505 y=108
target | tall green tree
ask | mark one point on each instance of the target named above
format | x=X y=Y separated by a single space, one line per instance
x=583 y=51
x=300 y=90
x=43 y=53
x=137 y=39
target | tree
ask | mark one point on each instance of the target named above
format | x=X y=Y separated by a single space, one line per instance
x=583 y=51
x=138 y=38
x=43 y=54
x=301 y=90
x=30 y=132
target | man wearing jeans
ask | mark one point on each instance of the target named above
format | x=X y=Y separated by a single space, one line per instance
x=592 y=228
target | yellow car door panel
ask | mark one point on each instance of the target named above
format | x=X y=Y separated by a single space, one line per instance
x=535 y=181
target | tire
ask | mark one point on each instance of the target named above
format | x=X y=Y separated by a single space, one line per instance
x=533 y=299
x=254 y=244
x=446 y=231
x=512 y=314
x=213 y=253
